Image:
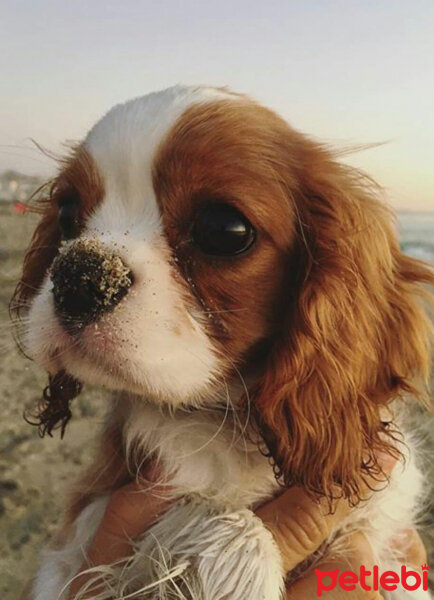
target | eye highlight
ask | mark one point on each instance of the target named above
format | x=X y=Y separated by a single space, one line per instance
x=222 y=230
x=69 y=219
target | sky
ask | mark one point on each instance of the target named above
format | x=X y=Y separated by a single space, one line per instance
x=346 y=72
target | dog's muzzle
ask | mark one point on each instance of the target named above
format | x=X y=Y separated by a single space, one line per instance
x=88 y=281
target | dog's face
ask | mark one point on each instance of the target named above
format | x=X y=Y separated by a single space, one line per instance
x=205 y=240
x=175 y=236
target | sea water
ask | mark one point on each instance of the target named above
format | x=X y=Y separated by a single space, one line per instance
x=416 y=234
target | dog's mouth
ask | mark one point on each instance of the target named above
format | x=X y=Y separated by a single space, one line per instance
x=95 y=347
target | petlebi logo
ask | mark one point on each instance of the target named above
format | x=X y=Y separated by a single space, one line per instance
x=389 y=581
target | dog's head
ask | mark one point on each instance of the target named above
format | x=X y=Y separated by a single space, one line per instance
x=194 y=238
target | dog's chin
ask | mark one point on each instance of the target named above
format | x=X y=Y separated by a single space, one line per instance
x=103 y=354
x=91 y=369
x=86 y=365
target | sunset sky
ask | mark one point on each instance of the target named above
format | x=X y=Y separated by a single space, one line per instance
x=345 y=71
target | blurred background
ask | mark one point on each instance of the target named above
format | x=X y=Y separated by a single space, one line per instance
x=347 y=72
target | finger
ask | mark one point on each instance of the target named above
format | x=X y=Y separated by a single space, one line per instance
x=324 y=579
x=410 y=545
x=300 y=523
x=133 y=508
x=386 y=462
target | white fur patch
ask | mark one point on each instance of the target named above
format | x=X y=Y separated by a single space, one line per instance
x=214 y=554
x=196 y=551
x=205 y=452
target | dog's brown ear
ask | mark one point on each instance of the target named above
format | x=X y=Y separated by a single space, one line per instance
x=42 y=249
x=78 y=177
x=355 y=336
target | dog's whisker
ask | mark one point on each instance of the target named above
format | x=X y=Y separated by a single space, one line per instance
x=12 y=325
x=28 y=285
x=242 y=427
x=223 y=311
x=66 y=349
x=43 y=247
x=211 y=439
x=235 y=416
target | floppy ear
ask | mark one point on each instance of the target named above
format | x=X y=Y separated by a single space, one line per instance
x=40 y=253
x=355 y=335
x=77 y=177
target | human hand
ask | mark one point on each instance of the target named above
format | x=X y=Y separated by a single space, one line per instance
x=130 y=512
x=298 y=523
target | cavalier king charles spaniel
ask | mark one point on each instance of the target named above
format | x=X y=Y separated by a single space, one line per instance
x=243 y=296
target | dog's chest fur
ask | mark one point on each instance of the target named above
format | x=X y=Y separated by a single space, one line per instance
x=210 y=453
x=210 y=545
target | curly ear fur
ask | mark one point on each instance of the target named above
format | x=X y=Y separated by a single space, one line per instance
x=355 y=337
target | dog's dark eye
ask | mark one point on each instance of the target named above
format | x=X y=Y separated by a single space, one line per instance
x=69 y=219
x=222 y=230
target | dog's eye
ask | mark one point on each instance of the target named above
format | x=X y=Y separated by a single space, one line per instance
x=69 y=219
x=222 y=230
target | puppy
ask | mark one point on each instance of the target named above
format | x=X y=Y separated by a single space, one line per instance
x=243 y=295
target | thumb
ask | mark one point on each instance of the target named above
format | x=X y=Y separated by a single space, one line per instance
x=132 y=509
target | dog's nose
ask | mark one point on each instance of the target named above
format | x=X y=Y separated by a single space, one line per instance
x=88 y=280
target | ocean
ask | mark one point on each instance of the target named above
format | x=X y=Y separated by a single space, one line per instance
x=416 y=234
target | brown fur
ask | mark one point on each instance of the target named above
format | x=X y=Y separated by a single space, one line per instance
x=355 y=336
x=325 y=307
x=326 y=290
